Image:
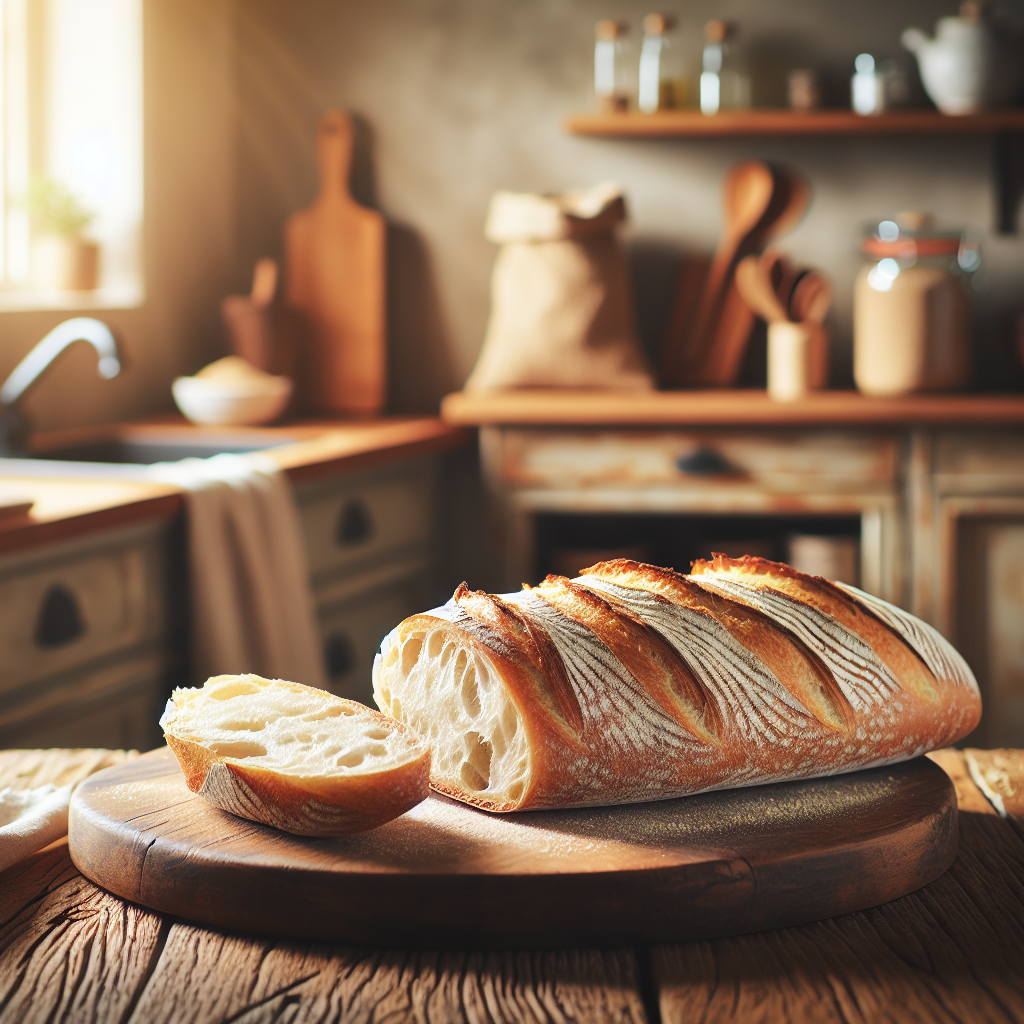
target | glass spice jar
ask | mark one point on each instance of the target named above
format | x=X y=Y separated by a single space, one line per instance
x=662 y=81
x=724 y=85
x=612 y=76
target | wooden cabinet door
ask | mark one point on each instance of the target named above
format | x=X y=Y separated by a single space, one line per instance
x=983 y=606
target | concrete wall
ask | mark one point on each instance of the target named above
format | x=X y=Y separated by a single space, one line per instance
x=455 y=99
x=462 y=97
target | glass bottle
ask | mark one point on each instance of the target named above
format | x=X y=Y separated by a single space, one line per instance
x=611 y=74
x=662 y=82
x=723 y=85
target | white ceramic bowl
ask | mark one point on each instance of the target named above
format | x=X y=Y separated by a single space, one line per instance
x=243 y=403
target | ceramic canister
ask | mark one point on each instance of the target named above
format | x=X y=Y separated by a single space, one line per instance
x=911 y=316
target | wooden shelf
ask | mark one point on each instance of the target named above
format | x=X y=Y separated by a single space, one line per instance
x=557 y=407
x=683 y=124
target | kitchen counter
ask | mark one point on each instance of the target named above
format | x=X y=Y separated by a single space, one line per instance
x=565 y=407
x=73 y=498
x=951 y=951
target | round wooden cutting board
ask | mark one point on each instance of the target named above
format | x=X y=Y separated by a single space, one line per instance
x=447 y=875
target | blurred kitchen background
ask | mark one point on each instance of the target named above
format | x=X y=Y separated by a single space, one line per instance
x=454 y=100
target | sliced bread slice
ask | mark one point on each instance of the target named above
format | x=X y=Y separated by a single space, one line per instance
x=294 y=757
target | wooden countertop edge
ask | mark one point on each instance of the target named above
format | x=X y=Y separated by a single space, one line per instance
x=558 y=407
x=325 y=456
x=325 y=450
x=32 y=534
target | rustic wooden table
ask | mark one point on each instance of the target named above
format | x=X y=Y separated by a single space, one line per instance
x=953 y=951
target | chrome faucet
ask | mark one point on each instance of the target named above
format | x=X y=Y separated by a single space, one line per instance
x=14 y=428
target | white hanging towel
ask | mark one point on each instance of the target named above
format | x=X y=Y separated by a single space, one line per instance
x=252 y=610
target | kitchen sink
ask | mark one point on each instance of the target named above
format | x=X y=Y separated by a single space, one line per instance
x=126 y=453
x=146 y=452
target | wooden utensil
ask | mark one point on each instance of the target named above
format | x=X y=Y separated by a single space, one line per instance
x=785 y=277
x=753 y=279
x=692 y=277
x=812 y=297
x=723 y=362
x=248 y=319
x=791 y=196
x=746 y=195
x=334 y=252
x=445 y=874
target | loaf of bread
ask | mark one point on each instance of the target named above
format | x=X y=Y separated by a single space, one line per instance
x=633 y=683
x=294 y=757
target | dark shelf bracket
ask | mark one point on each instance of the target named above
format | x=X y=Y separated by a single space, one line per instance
x=1008 y=179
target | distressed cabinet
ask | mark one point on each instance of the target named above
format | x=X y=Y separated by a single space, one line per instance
x=90 y=634
x=93 y=630
x=370 y=541
x=937 y=516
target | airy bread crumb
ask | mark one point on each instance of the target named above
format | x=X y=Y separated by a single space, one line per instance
x=294 y=757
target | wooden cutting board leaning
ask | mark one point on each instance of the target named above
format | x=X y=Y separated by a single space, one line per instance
x=444 y=874
x=334 y=256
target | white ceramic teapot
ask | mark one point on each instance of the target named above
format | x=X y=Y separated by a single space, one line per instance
x=967 y=66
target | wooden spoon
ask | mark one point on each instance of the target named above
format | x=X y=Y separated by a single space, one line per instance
x=790 y=200
x=264 y=282
x=746 y=196
x=753 y=278
x=812 y=298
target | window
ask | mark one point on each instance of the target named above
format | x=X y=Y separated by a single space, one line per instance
x=70 y=154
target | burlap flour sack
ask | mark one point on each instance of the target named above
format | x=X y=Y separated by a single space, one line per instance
x=561 y=310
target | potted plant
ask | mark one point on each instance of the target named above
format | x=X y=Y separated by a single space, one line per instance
x=61 y=258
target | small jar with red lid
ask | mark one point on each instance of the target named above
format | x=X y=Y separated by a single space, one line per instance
x=911 y=309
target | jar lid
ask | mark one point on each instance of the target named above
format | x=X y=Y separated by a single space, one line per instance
x=900 y=240
x=608 y=30
x=936 y=245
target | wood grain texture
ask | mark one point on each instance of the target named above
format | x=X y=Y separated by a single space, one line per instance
x=561 y=407
x=206 y=977
x=950 y=952
x=68 y=950
x=448 y=874
x=693 y=124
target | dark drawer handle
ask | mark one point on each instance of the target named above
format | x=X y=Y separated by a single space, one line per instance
x=354 y=524
x=704 y=461
x=339 y=655
x=60 y=619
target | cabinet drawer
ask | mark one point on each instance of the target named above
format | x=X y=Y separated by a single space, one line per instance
x=117 y=706
x=980 y=462
x=362 y=517
x=61 y=614
x=353 y=630
x=778 y=462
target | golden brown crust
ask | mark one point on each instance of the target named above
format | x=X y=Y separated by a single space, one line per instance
x=783 y=653
x=743 y=672
x=646 y=655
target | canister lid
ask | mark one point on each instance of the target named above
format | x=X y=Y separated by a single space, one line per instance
x=908 y=237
